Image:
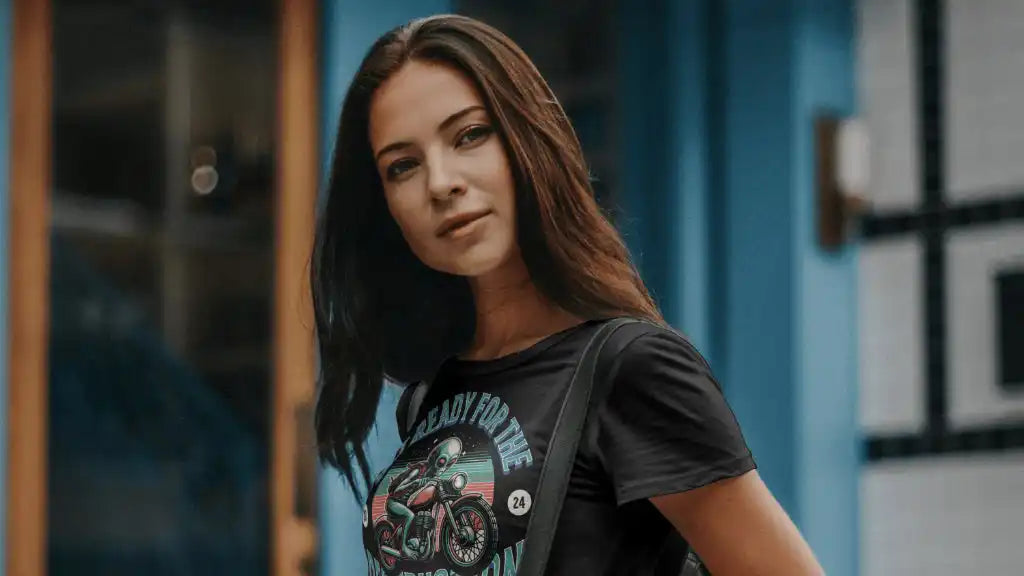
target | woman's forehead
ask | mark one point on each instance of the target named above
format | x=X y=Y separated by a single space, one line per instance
x=421 y=95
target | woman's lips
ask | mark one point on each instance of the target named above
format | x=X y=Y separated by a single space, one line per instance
x=460 y=224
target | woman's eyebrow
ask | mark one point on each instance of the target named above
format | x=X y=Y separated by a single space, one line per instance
x=440 y=127
x=455 y=117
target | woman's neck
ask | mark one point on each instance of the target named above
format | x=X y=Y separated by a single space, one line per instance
x=511 y=313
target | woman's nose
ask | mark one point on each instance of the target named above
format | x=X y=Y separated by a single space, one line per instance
x=443 y=180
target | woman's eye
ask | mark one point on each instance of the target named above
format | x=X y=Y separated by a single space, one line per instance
x=399 y=167
x=473 y=135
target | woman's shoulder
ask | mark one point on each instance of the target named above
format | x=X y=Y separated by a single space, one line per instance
x=653 y=343
x=660 y=355
x=665 y=426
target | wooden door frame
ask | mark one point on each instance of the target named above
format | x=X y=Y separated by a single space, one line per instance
x=292 y=540
x=28 y=286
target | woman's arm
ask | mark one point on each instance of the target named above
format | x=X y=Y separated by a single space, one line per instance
x=737 y=527
x=405 y=480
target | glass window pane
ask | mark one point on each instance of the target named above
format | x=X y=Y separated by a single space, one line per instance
x=161 y=287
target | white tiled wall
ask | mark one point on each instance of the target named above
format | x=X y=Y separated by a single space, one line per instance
x=984 y=84
x=891 y=336
x=974 y=257
x=888 y=99
x=957 y=514
x=944 y=516
x=985 y=97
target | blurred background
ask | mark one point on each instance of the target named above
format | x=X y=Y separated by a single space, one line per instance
x=827 y=196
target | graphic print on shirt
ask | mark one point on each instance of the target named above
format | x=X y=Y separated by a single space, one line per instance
x=433 y=511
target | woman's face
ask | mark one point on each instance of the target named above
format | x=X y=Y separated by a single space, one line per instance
x=445 y=172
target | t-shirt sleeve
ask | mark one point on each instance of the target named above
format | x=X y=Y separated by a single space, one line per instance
x=665 y=426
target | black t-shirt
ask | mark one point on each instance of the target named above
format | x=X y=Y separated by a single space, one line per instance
x=661 y=426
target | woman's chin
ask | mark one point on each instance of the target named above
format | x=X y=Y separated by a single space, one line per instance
x=481 y=262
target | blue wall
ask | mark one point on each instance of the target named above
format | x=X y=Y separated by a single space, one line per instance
x=644 y=215
x=756 y=363
x=826 y=301
x=692 y=177
x=5 y=154
x=787 y=317
x=348 y=30
x=735 y=264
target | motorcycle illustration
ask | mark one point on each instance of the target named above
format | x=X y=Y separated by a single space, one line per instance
x=427 y=514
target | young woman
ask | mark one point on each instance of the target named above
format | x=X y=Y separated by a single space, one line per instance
x=461 y=244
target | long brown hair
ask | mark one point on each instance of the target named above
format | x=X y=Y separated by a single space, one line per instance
x=379 y=311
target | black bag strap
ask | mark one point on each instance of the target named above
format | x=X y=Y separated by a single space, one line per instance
x=561 y=458
x=409 y=407
x=561 y=455
x=402 y=410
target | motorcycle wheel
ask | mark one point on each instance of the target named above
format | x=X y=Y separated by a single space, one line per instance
x=385 y=534
x=476 y=554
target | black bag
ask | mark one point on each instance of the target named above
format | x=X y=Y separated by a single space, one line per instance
x=561 y=456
